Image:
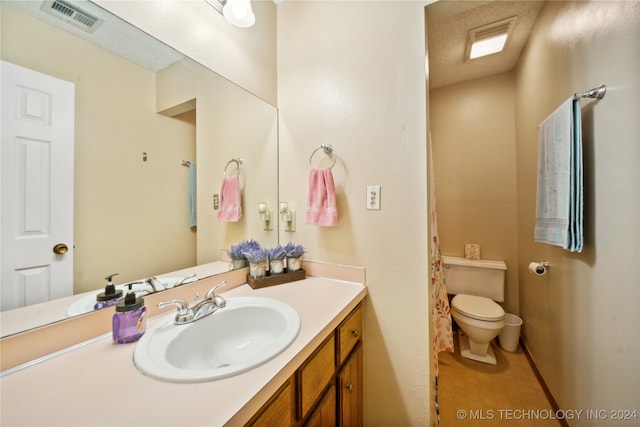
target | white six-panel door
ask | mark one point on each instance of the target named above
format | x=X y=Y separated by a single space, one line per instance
x=36 y=187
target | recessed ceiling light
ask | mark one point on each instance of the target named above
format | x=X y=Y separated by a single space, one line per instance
x=487 y=46
x=489 y=39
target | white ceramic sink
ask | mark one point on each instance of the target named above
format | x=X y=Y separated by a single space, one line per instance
x=246 y=333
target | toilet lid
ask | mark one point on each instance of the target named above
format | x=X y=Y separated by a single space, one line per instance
x=480 y=308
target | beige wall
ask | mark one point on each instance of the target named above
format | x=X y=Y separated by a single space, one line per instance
x=472 y=126
x=581 y=319
x=359 y=84
x=120 y=201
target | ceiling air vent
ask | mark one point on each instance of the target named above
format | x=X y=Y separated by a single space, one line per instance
x=72 y=14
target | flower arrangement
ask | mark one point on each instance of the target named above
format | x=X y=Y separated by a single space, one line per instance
x=257 y=255
x=257 y=258
x=277 y=255
x=277 y=252
x=250 y=252
x=237 y=252
x=294 y=251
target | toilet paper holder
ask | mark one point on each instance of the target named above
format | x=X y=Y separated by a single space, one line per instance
x=539 y=267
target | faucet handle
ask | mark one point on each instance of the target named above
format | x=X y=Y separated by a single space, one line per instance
x=184 y=314
x=217 y=299
x=184 y=279
x=153 y=282
x=212 y=291
x=156 y=283
x=183 y=306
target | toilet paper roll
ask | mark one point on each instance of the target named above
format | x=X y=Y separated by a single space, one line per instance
x=537 y=268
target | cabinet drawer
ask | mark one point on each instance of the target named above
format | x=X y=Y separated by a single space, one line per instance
x=315 y=374
x=349 y=333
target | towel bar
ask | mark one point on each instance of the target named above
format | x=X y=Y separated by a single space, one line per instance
x=328 y=150
x=596 y=92
x=237 y=161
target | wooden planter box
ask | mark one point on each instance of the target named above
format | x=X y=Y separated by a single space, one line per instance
x=276 y=279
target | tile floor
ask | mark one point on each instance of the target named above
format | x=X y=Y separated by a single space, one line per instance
x=477 y=394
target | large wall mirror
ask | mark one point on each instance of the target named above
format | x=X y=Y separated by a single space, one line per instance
x=143 y=112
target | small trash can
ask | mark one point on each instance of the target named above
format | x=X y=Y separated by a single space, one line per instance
x=510 y=334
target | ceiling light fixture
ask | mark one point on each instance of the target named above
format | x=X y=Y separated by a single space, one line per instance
x=487 y=46
x=489 y=39
x=236 y=12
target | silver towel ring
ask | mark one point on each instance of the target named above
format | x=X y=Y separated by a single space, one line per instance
x=237 y=161
x=328 y=150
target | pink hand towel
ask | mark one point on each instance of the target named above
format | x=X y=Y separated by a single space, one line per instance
x=321 y=203
x=230 y=209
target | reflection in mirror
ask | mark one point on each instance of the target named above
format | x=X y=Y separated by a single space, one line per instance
x=135 y=125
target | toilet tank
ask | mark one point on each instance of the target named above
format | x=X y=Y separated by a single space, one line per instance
x=482 y=278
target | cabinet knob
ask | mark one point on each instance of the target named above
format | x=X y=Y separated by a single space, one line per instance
x=355 y=333
x=349 y=387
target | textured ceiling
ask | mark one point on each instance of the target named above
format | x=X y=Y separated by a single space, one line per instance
x=448 y=24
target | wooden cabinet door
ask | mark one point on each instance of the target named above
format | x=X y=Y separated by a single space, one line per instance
x=350 y=391
x=325 y=413
x=279 y=411
x=314 y=376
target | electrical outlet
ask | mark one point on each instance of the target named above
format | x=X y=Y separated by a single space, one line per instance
x=373 y=197
x=216 y=202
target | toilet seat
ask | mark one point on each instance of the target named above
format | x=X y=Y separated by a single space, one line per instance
x=479 y=308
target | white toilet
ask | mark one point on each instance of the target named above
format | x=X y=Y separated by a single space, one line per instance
x=477 y=285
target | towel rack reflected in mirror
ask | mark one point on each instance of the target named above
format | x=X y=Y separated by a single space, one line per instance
x=328 y=150
x=237 y=161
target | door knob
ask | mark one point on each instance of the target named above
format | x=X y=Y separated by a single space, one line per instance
x=60 y=249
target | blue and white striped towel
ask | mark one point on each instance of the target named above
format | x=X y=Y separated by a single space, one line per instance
x=559 y=200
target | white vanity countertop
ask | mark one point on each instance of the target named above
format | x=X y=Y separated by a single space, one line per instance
x=98 y=384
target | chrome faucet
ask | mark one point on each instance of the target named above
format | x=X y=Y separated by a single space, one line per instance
x=187 y=314
x=156 y=285
x=184 y=279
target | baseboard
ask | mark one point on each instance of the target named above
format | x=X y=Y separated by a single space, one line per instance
x=543 y=384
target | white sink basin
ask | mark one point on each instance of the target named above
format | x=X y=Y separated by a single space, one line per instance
x=246 y=333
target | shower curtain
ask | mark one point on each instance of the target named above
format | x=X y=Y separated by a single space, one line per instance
x=440 y=311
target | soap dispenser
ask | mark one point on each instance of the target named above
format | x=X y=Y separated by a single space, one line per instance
x=129 y=320
x=110 y=296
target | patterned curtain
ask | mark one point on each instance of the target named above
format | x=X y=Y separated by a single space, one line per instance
x=442 y=333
